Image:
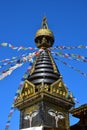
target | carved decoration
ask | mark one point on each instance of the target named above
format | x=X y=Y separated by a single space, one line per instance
x=43 y=87
x=59 y=88
x=70 y=97
x=27 y=91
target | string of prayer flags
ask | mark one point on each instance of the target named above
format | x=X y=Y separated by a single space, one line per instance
x=10 y=62
x=13 y=58
x=69 y=47
x=19 y=90
x=77 y=70
x=18 y=59
x=4 y=44
x=9 y=71
x=19 y=63
x=71 y=56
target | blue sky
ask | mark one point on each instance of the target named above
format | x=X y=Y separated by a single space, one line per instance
x=19 y=21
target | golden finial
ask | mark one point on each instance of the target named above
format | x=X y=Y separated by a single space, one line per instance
x=44 y=37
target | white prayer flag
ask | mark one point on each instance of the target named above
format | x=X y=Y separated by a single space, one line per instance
x=34 y=128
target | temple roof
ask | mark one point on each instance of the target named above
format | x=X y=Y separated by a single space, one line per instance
x=78 y=112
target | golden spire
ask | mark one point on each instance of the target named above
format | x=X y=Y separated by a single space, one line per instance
x=44 y=37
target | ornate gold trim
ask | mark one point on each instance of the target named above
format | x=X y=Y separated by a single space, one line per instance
x=53 y=63
x=27 y=91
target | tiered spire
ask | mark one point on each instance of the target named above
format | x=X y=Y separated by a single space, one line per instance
x=45 y=69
